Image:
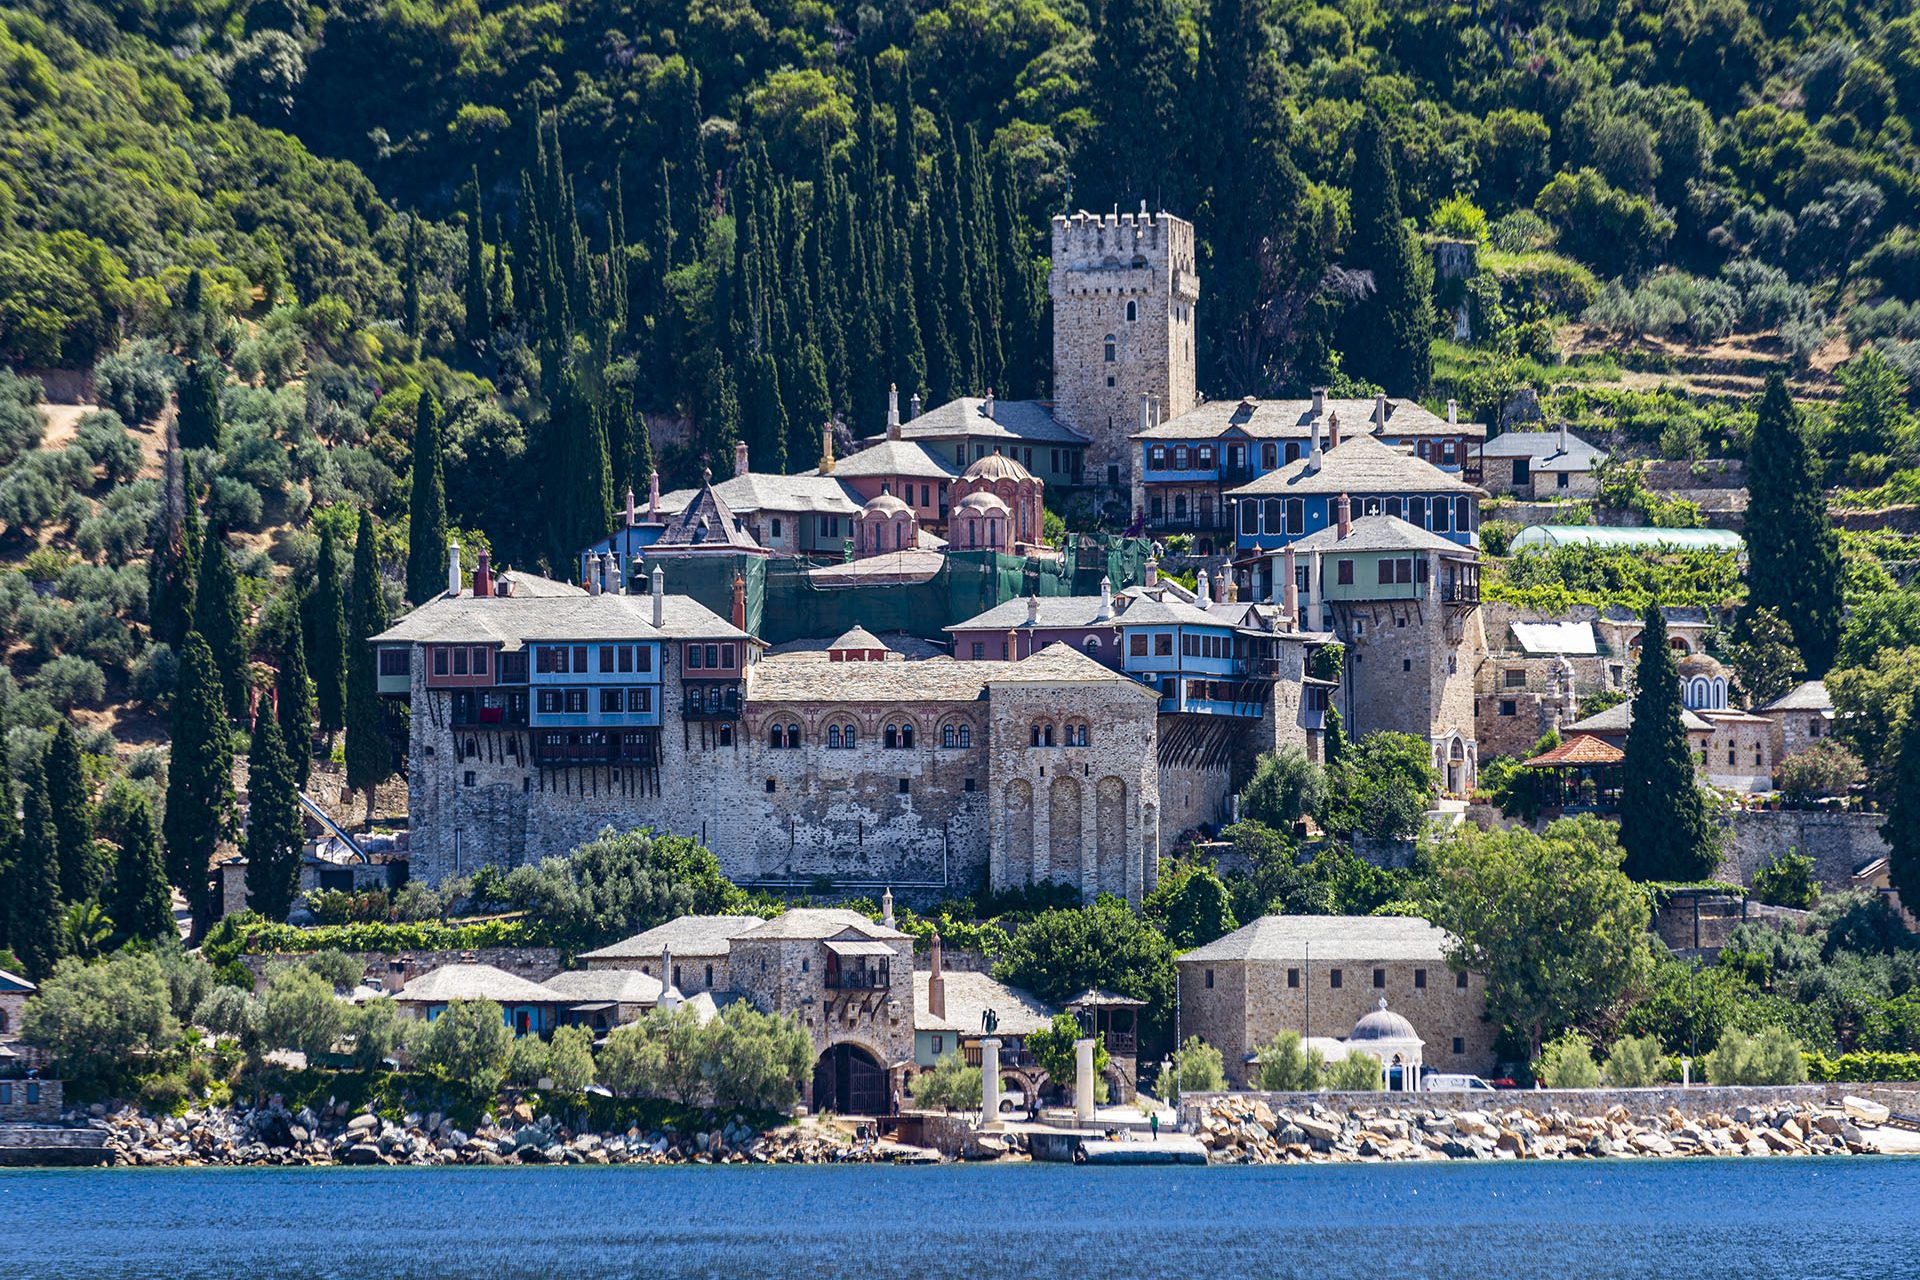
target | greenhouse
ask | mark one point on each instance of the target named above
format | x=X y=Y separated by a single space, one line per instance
x=1546 y=537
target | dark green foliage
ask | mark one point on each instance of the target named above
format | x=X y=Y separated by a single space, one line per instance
x=1388 y=335
x=141 y=906
x=369 y=754
x=199 y=392
x=176 y=554
x=218 y=619
x=617 y=885
x=1061 y=953
x=33 y=929
x=10 y=885
x=1665 y=826
x=1381 y=787
x=411 y=279
x=427 y=527
x=1902 y=827
x=293 y=695
x=479 y=305
x=1139 y=67
x=199 y=810
x=71 y=808
x=274 y=834
x=1793 y=553
x=1192 y=906
x=329 y=631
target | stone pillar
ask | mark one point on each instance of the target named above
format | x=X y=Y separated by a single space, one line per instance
x=1083 y=1081
x=990 y=1081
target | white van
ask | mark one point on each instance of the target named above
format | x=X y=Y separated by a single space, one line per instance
x=1454 y=1084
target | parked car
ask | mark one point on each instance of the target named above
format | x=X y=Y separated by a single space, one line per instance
x=1454 y=1084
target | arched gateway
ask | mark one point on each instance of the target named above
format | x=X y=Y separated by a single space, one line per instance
x=850 y=1081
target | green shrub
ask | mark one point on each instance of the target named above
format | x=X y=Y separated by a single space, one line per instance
x=1636 y=1062
x=467 y=1043
x=1771 y=1057
x=1287 y=1067
x=527 y=1062
x=570 y=1060
x=1358 y=1072
x=1567 y=1063
x=1199 y=1067
x=1787 y=881
x=951 y=1085
x=1862 y=1065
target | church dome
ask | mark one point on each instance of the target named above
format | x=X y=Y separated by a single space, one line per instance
x=886 y=505
x=995 y=467
x=983 y=502
x=1382 y=1024
x=1701 y=664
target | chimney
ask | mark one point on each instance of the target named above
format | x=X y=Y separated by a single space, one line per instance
x=913 y=406
x=1453 y=412
x=659 y=597
x=592 y=575
x=886 y=908
x=936 y=980
x=1153 y=571
x=670 y=997
x=1313 y=454
x=989 y=403
x=1319 y=401
x=1380 y=412
x=826 y=450
x=398 y=970
x=1013 y=645
x=630 y=512
x=637 y=577
x=610 y=573
x=1156 y=411
x=1146 y=412
x=739 y=602
x=1333 y=430
x=1203 y=590
x=1343 y=514
x=482 y=576
x=453 y=568
x=653 y=497
x=1106 y=600
x=1290 y=591
x=1226 y=586
x=893 y=411
x=1563 y=435
x=740 y=457
x=1033 y=611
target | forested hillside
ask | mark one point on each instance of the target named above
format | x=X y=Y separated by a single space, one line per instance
x=613 y=236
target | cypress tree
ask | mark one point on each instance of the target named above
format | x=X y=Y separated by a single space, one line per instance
x=142 y=906
x=929 y=244
x=34 y=928
x=864 y=160
x=369 y=756
x=500 y=292
x=983 y=262
x=10 y=886
x=427 y=528
x=217 y=617
x=906 y=149
x=688 y=156
x=1901 y=830
x=274 y=835
x=479 y=305
x=176 y=553
x=1388 y=335
x=1138 y=64
x=1793 y=553
x=1664 y=824
x=199 y=399
x=81 y=874
x=199 y=775
x=811 y=409
x=763 y=417
x=903 y=338
x=957 y=281
x=293 y=697
x=329 y=656
x=1023 y=303
x=579 y=473
x=412 y=283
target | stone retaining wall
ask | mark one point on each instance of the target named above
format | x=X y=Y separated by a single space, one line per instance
x=1838 y=843
x=31 y=1101
x=536 y=964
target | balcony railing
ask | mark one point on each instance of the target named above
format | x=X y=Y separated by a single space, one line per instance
x=850 y=979
x=1209 y=521
x=1460 y=592
x=701 y=704
x=1008 y=1057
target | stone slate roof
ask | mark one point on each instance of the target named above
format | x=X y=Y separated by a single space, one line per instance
x=857 y=638
x=707 y=524
x=917 y=564
x=618 y=986
x=813 y=678
x=696 y=936
x=1810 y=695
x=891 y=457
x=1378 y=533
x=1543 y=447
x=1055 y=611
x=969 y=995
x=757 y=491
x=1618 y=718
x=822 y=922
x=1028 y=420
x=473 y=982
x=1360 y=465
x=907 y=646
x=1332 y=938
x=1293 y=420
x=1063 y=664
x=519 y=620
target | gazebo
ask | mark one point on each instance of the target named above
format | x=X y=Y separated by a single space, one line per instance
x=1583 y=773
x=1117 y=1019
x=1387 y=1036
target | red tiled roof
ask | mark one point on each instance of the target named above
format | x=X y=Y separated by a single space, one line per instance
x=1580 y=749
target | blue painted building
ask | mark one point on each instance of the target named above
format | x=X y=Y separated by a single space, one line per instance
x=1300 y=498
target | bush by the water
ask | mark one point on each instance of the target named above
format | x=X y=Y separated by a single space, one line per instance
x=1636 y=1062
x=1567 y=1063
x=1771 y=1057
x=951 y=1085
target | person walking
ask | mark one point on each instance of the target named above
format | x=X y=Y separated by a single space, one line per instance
x=1153 y=1118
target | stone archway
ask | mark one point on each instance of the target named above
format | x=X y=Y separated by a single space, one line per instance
x=849 y=1080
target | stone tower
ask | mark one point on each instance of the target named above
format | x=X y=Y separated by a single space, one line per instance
x=1124 y=288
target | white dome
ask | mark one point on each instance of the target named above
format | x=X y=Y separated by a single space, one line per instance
x=1382 y=1024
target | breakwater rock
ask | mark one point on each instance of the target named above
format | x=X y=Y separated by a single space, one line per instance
x=1248 y=1131
x=340 y=1135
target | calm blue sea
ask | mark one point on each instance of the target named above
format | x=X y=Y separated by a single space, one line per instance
x=1754 y=1218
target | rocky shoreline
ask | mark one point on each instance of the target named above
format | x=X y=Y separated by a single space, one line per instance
x=339 y=1134
x=1248 y=1131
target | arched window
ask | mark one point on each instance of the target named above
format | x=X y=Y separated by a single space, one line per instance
x=906 y=736
x=833 y=736
x=1093 y=646
x=726 y=735
x=890 y=738
x=793 y=737
x=947 y=736
x=1046 y=736
x=1133 y=311
x=1394 y=507
x=1417 y=512
x=847 y=737
x=1111 y=349
x=1296 y=515
x=966 y=735
x=1033 y=736
x=1440 y=509
x=776 y=737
